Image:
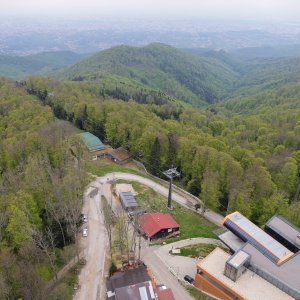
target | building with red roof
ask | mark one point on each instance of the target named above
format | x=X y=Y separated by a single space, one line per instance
x=157 y=225
x=164 y=293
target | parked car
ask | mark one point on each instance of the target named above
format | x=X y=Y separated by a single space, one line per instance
x=85 y=232
x=84 y=218
x=189 y=279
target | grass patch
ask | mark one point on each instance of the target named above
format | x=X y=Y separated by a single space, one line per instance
x=191 y=223
x=63 y=256
x=139 y=188
x=65 y=288
x=44 y=271
x=103 y=167
x=197 y=250
x=197 y=294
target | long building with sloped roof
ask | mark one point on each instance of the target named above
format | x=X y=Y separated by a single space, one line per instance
x=91 y=141
x=249 y=232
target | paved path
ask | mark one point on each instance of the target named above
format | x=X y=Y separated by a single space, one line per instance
x=91 y=277
x=162 y=272
x=181 y=265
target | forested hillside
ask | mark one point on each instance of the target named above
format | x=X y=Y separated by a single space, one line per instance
x=41 y=190
x=241 y=162
x=241 y=153
x=257 y=72
x=195 y=76
x=284 y=98
x=180 y=75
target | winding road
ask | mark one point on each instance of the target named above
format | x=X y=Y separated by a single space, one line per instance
x=186 y=200
x=91 y=278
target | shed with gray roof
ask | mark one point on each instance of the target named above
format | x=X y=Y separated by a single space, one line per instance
x=128 y=201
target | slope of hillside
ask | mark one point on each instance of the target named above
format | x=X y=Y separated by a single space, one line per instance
x=284 y=98
x=257 y=73
x=264 y=73
x=181 y=75
x=18 y=67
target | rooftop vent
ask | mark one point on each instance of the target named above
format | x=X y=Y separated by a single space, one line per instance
x=236 y=265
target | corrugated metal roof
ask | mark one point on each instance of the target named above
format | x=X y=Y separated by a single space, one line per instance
x=251 y=233
x=129 y=277
x=151 y=224
x=139 y=291
x=92 y=142
x=120 y=154
x=165 y=294
x=128 y=200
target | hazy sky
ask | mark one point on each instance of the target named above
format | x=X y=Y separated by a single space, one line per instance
x=210 y=9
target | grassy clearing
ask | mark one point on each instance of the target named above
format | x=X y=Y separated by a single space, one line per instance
x=197 y=295
x=65 y=255
x=198 y=250
x=192 y=224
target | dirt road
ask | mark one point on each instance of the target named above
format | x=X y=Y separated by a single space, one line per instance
x=91 y=278
x=148 y=254
x=92 y=285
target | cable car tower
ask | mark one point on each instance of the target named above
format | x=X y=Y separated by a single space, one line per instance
x=171 y=173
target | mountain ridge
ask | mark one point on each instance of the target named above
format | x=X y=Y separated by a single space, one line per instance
x=179 y=74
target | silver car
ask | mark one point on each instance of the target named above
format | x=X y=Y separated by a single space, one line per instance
x=85 y=232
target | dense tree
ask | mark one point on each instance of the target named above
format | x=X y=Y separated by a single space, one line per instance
x=210 y=189
x=154 y=160
x=251 y=157
x=35 y=148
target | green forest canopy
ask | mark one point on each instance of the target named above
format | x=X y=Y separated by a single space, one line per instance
x=242 y=153
x=41 y=191
x=236 y=161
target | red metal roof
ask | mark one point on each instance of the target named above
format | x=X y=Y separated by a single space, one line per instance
x=165 y=294
x=152 y=223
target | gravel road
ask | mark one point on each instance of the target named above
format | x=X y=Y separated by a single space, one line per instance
x=92 y=285
x=91 y=278
x=185 y=201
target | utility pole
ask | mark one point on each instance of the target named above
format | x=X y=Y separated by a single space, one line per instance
x=204 y=204
x=171 y=173
x=140 y=247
